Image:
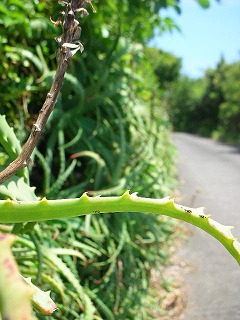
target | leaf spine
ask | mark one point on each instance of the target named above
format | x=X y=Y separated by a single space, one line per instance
x=43 y=200
x=236 y=245
x=126 y=195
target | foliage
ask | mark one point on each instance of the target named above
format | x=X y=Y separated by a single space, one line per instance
x=208 y=106
x=212 y=97
x=104 y=126
x=103 y=129
x=166 y=66
x=25 y=32
x=182 y=99
x=229 y=111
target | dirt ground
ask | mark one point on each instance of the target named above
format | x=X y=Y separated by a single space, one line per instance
x=168 y=286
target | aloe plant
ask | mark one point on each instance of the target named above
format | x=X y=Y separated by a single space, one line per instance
x=16 y=212
x=15 y=294
x=22 y=208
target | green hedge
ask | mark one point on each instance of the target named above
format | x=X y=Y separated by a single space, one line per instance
x=104 y=137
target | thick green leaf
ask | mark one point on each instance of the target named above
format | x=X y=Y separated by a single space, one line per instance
x=16 y=188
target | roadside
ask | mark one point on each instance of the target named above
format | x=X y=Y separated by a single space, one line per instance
x=210 y=176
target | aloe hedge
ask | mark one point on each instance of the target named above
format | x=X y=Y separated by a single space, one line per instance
x=103 y=137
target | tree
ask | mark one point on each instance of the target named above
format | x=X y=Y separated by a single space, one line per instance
x=229 y=109
x=166 y=66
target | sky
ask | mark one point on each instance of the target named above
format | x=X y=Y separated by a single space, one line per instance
x=206 y=35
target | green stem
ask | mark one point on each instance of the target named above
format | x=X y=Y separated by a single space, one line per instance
x=15 y=212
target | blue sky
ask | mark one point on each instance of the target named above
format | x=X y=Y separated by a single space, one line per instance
x=205 y=35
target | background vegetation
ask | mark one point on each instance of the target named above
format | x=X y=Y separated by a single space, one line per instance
x=209 y=106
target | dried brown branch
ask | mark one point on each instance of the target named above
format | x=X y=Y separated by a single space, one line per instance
x=67 y=47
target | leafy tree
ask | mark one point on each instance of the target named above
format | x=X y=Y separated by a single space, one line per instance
x=208 y=106
x=207 y=109
x=182 y=101
x=166 y=66
x=229 y=111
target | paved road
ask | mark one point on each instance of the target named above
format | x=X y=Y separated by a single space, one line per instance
x=210 y=176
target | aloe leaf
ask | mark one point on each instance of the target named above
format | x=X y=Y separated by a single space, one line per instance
x=16 y=188
x=15 y=294
x=10 y=143
x=41 y=300
x=66 y=272
x=8 y=139
x=12 y=211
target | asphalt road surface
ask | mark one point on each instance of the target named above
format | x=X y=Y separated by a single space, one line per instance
x=209 y=174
